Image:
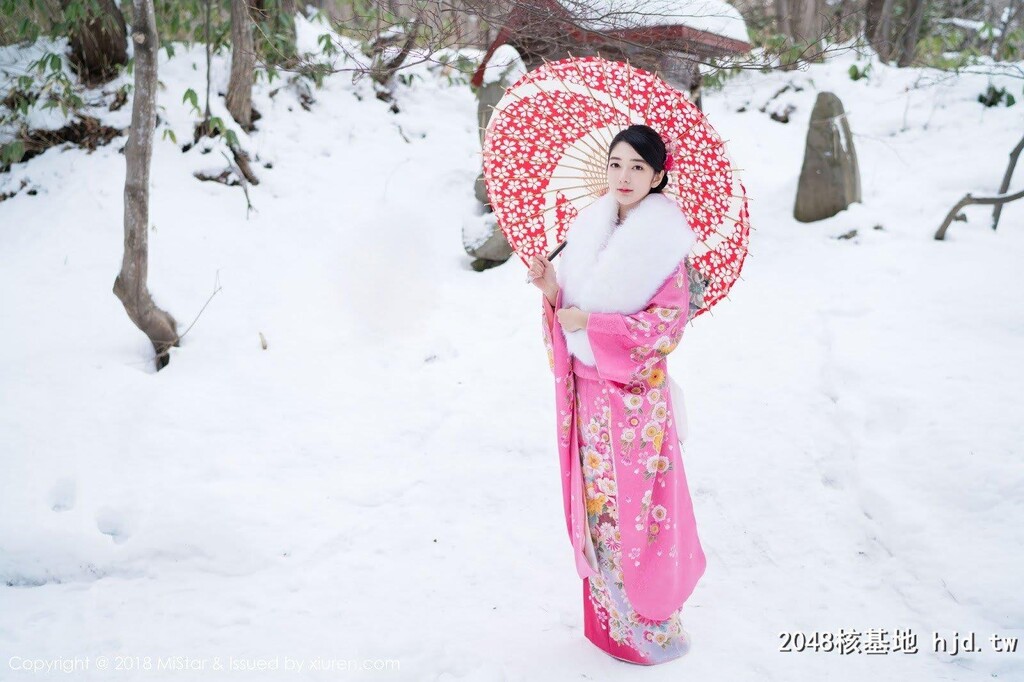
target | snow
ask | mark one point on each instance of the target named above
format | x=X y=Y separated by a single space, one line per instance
x=381 y=482
x=504 y=64
x=16 y=61
x=713 y=16
x=478 y=227
x=969 y=24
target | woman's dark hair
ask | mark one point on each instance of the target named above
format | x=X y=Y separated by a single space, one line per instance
x=648 y=143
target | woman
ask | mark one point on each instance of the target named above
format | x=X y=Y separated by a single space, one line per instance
x=614 y=310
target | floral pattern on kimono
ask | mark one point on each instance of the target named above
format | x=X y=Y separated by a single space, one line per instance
x=659 y=551
x=610 y=620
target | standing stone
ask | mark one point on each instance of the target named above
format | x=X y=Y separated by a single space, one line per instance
x=830 y=178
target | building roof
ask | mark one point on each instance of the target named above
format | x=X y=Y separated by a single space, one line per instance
x=705 y=28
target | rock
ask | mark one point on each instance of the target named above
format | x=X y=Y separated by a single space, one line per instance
x=496 y=248
x=481 y=191
x=830 y=178
x=503 y=69
x=481 y=236
x=481 y=264
x=783 y=116
x=487 y=97
x=483 y=239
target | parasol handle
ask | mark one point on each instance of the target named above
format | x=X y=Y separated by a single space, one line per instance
x=558 y=249
x=551 y=256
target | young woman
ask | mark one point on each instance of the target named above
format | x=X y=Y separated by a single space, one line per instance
x=614 y=310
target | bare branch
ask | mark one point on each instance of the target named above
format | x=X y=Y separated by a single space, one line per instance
x=968 y=199
x=1005 y=184
x=545 y=34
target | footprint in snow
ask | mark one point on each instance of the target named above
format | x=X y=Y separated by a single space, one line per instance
x=62 y=495
x=115 y=523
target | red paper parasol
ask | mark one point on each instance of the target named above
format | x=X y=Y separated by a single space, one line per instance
x=546 y=148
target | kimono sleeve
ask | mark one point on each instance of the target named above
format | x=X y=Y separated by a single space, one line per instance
x=627 y=347
x=549 y=322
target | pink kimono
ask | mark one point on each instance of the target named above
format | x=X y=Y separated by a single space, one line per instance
x=627 y=506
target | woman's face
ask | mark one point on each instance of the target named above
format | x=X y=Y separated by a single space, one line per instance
x=630 y=178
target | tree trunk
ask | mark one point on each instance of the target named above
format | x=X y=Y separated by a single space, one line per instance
x=803 y=22
x=782 y=17
x=872 y=17
x=878 y=27
x=812 y=24
x=98 y=44
x=243 y=63
x=908 y=45
x=130 y=284
x=883 y=35
x=1011 y=13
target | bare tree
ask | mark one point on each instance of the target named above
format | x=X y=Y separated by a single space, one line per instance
x=548 y=30
x=99 y=42
x=130 y=285
x=384 y=68
x=243 y=63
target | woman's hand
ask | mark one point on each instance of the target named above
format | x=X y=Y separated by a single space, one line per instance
x=542 y=275
x=572 y=319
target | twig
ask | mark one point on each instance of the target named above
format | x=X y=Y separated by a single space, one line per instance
x=243 y=181
x=217 y=287
x=223 y=177
x=242 y=159
x=206 y=116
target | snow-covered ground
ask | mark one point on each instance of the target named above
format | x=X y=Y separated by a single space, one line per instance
x=381 y=482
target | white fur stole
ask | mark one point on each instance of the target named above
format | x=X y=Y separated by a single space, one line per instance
x=606 y=268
